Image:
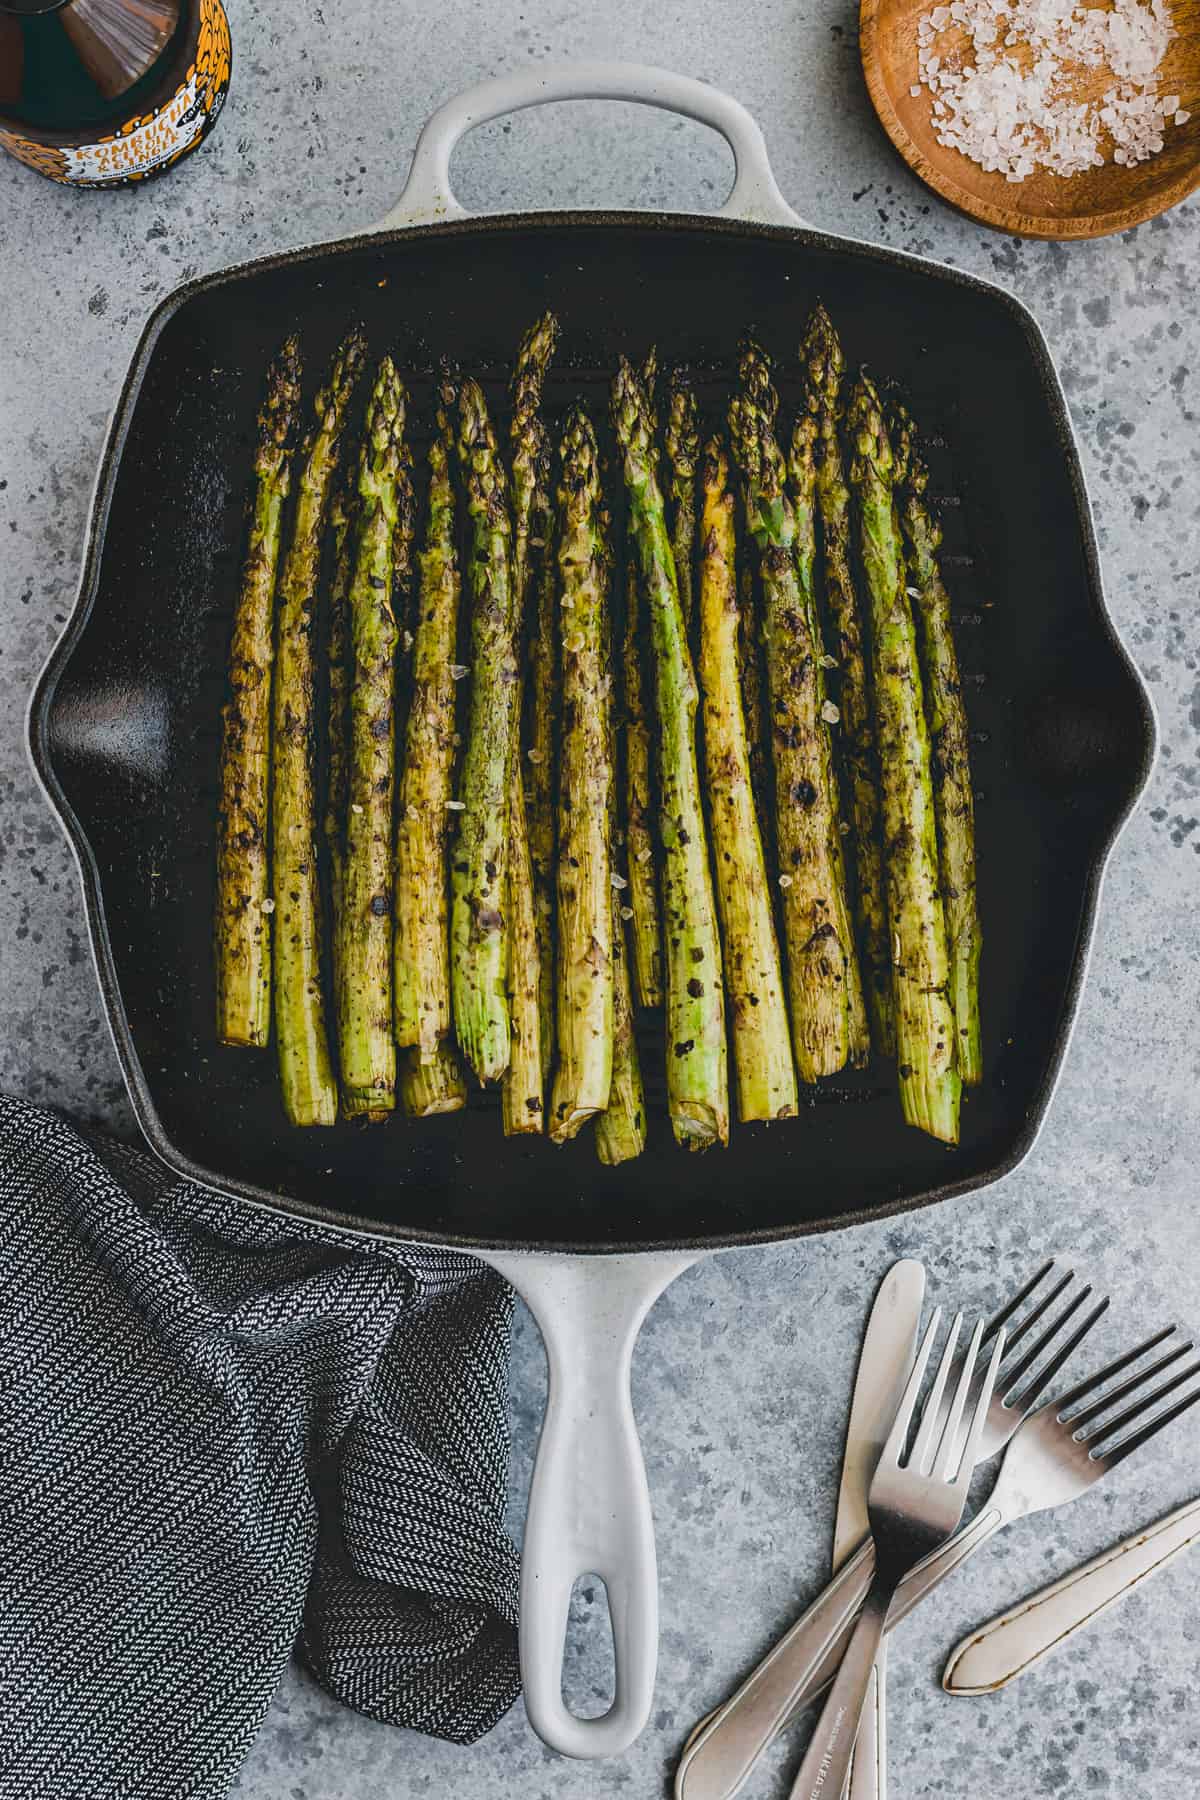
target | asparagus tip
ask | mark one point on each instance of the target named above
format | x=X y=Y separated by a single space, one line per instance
x=821 y=352
x=867 y=430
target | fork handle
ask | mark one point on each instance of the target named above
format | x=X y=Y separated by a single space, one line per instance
x=868 y=1771
x=1004 y=1649
x=721 y=1755
x=827 y=1759
x=805 y=1660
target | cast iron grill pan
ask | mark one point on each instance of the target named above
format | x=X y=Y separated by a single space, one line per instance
x=126 y=724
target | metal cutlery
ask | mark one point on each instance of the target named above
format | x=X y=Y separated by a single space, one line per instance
x=1048 y=1463
x=868 y=1771
x=997 y=1653
x=915 y=1503
x=888 y=1349
x=725 y=1747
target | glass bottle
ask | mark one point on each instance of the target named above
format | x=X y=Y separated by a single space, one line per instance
x=103 y=93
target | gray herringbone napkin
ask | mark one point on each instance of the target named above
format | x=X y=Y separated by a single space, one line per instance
x=224 y=1435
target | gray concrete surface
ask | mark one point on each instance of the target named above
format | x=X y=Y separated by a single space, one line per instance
x=744 y=1370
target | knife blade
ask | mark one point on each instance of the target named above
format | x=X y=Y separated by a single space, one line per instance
x=889 y=1345
x=997 y=1653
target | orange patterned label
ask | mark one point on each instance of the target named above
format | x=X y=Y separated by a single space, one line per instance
x=151 y=141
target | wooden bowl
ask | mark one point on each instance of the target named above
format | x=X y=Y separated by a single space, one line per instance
x=1093 y=204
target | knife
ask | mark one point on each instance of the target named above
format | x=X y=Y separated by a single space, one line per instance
x=725 y=1747
x=889 y=1346
x=995 y=1655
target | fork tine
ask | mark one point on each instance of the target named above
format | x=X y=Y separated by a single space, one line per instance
x=1111 y=1458
x=1136 y=1380
x=1045 y=1339
x=923 y=1450
x=1015 y=1336
x=1062 y=1355
x=999 y=1321
x=970 y=1455
x=1089 y=1386
x=948 y=1442
x=898 y=1435
x=1140 y=1408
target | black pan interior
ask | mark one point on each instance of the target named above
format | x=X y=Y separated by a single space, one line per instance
x=125 y=723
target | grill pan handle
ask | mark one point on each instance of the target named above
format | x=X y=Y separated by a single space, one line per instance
x=589 y=1505
x=428 y=196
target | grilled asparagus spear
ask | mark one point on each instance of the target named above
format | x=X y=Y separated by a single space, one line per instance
x=821 y=355
x=697 y=1081
x=305 y=1070
x=930 y=1088
x=681 y=435
x=479 y=860
x=953 y=800
x=337 y=787
x=802 y=470
x=646 y=925
x=766 y=1079
x=437 y=1086
x=585 y=972
x=243 y=920
x=542 y=759
x=522 y=1102
x=808 y=841
x=621 y=1127
x=421 y=952
x=751 y=681
x=522 y=1097
x=363 y=961
x=404 y=588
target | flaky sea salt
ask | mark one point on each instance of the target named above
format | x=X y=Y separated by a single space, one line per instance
x=1011 y=86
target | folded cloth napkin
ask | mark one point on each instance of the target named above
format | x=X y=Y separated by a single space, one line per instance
x=225 y=1435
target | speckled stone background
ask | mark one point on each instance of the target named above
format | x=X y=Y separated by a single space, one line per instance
x=744 y=1370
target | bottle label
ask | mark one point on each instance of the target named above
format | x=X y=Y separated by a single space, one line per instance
x=152 y=140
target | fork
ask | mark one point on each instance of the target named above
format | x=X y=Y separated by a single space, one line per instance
x=724 y=1748
x=915 y=1503
x=1056 y=1455
x=866 y=1780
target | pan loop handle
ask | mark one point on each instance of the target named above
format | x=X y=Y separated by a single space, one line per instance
x=589 y=1503
x=428 y=196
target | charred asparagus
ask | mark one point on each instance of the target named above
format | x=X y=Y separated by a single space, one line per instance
x=421 y=956
x=541 y=759
x=337 y=786
x=522 y=1104
x=363 y=961
x=807 y=836
x=305 y=1069
x=479 y=860
x=953 y=799
x=681 y=436
x=697 y=1082
x=750 y=677
x=766 y=1079
x=243 y=919
x=821 y=355
x=621 y=1127
x=802 y=470
x=930 y=1087
x=428 y=1088
x=638 y=761
x=585 y=972
x=522 y=1098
